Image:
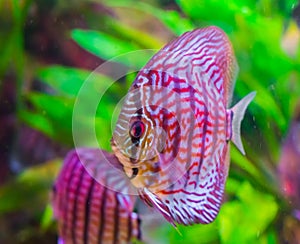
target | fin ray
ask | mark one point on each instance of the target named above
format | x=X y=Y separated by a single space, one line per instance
x=238 y=115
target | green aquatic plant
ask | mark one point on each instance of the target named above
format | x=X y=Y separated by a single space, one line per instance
x=254 y=206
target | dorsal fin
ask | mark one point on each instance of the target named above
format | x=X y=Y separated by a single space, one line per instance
x=231 y=75
x=209 y=50
x=227 y=62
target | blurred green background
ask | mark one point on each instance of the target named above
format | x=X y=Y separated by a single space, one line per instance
x=49 y=48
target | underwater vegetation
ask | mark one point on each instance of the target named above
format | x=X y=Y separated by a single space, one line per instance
x=50 y=49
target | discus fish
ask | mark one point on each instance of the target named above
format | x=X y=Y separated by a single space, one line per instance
x=88 y=212
x=172 y=135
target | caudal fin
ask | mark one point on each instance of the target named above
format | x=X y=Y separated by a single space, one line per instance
x=238 y=115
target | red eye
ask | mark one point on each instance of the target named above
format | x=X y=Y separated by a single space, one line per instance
x=137 y=129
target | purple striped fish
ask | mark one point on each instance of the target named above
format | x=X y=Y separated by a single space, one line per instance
x=87 y=211
x=172 y=135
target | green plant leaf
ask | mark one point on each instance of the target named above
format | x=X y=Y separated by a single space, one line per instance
x=68 y=81
x=47 y=217
x=221 y=13
x=29 y=191
x=52 y=115
x=38 y=122
x=196 y=234
x=170 y=18
x=244 y=220
x=141 y=38
x=108 y=47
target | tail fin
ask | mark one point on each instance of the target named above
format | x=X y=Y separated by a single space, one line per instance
x=238 y=115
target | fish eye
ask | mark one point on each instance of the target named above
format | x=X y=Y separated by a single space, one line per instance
x=135 y=172
x=137 y=129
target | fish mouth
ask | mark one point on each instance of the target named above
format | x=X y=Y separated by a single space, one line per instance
x=131 y=172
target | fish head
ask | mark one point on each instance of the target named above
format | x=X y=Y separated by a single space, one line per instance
x=142 y=140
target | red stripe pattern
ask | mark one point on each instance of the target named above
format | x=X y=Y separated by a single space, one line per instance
x=88 y=212
x=181 y=96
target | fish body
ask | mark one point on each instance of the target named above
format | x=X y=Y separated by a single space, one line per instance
x=172 y=135
x=87 y=211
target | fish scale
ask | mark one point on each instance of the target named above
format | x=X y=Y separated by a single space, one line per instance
x=190 y=83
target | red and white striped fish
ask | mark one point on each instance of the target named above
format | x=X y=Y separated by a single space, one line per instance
x=172 y=135
x=88 y=212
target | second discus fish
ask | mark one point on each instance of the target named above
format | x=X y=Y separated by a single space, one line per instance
x=90 y=212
